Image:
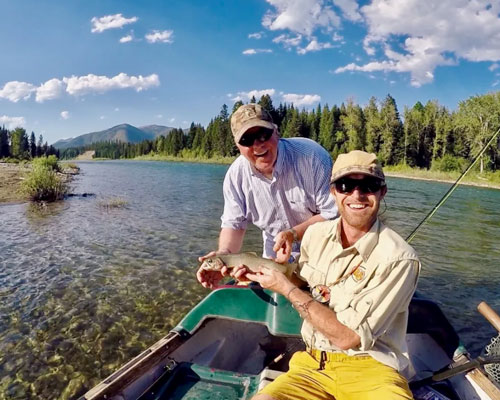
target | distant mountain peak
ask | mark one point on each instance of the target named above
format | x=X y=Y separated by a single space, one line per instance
x=123 y=133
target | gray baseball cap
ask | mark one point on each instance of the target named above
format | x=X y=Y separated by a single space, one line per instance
x=249 y=116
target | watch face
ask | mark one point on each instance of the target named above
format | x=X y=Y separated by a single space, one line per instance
x=321 y=293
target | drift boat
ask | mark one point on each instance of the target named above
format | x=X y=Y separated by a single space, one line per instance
x=237 y=340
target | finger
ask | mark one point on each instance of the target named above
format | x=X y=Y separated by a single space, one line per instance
x=211 y=254
x=254 y=277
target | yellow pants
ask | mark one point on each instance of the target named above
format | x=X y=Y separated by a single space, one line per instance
x=343 y=378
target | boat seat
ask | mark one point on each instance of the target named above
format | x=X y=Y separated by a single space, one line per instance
x=425 y=316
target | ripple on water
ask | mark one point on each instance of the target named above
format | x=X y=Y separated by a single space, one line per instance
x=84 y=289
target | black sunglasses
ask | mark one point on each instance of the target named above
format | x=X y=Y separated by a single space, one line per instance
x=262 y=135
x=365 y=185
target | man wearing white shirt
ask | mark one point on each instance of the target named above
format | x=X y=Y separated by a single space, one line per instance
x=279 y=185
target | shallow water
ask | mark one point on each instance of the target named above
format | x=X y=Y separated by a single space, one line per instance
x=85 y=286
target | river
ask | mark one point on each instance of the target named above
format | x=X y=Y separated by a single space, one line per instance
x=88 y=283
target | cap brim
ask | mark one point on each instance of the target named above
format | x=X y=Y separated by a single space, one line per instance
x=252 y=124
x=357 y=170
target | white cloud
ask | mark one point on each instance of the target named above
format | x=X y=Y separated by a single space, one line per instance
x=126 y=39
x=52 y=89
x=496 y=83
x=314 y=45
x=256 y=51
x=117 y=109
x=493 y=67
x=160 y=36
x=288 y=41
x=15 y=91
x=417 y=36
x=300 y=16
x=350 y=9
x=65 y=114
x=252 y=93
x=12 y=122
x=171 y=120
x=110 y=22
x=301 y=99
x=102 y=117
x=256 y=35
x=80 y=85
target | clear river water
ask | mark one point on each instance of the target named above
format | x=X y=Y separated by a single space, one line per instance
x=85 y=286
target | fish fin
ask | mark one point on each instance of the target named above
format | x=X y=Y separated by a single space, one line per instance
x=253 y=253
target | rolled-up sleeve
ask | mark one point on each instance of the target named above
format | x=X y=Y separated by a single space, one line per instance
x=372 y=313
x=324 y=200
x=234 y=215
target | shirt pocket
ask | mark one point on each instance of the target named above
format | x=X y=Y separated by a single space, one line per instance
x=300 y=203
x=312 y=275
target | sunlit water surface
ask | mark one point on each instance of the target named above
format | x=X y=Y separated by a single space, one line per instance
x=85 y=285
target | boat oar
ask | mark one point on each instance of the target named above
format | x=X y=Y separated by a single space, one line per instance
x=446 y=373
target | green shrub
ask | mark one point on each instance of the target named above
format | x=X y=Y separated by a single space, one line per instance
x=43 y=183
x=449 y=163
x=49 y=162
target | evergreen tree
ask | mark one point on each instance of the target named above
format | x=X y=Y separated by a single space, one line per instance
x=4 y=143
x=19 y=147
x=326 y=129
x=39 y=146
x=479 y=118
x=414 y=125
x=373 y=126
x=237 y=105
x=354 y=124
x=391 y=151
x=32 y=145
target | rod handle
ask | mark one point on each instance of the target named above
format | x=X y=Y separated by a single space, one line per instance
x=490 y=314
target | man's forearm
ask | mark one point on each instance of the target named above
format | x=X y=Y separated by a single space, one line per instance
x=231 y=240
x=323 y=319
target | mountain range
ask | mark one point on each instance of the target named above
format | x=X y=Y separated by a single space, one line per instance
x=120 y=133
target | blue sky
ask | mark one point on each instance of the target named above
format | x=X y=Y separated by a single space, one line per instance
x=73 y=67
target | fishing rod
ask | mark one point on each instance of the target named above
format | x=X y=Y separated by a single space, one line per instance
x=452 y=188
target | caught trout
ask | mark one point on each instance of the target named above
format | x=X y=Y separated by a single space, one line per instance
x=251 y=260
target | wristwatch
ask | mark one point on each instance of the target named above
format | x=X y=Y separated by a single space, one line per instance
x=294 y=233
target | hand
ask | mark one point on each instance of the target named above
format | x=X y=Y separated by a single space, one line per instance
x=239 y=273
x=211 y=279
x=283 y=246
x=271 y=279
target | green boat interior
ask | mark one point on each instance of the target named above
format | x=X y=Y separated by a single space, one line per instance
x=237 y=340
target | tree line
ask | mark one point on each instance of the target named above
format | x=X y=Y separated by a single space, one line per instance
x=425 y=136
x=16 y=144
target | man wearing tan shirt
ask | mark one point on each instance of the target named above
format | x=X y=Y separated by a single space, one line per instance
x=362 y=276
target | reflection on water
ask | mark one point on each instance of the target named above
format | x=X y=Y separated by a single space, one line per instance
x=83 y=288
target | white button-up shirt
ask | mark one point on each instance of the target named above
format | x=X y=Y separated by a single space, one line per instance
x=298 y=190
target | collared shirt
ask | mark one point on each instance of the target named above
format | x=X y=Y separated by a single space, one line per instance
x=298 y=190
x=371 y=299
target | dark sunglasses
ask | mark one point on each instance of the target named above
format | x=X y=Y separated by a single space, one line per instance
x=365 y=185
x=262 y=135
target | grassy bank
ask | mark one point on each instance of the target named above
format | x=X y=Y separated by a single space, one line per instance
x=44 y=179
x=474 y=178
x=205 y=160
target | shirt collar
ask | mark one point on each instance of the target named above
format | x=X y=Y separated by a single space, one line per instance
x=365 y=244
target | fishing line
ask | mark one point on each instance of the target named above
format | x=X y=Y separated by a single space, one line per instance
x=451 y=189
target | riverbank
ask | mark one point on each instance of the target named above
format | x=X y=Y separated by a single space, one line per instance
x=473 y=178
x=12 y=176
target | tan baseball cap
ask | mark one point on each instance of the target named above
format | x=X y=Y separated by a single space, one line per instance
x=249 y=116
x=357 y=162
